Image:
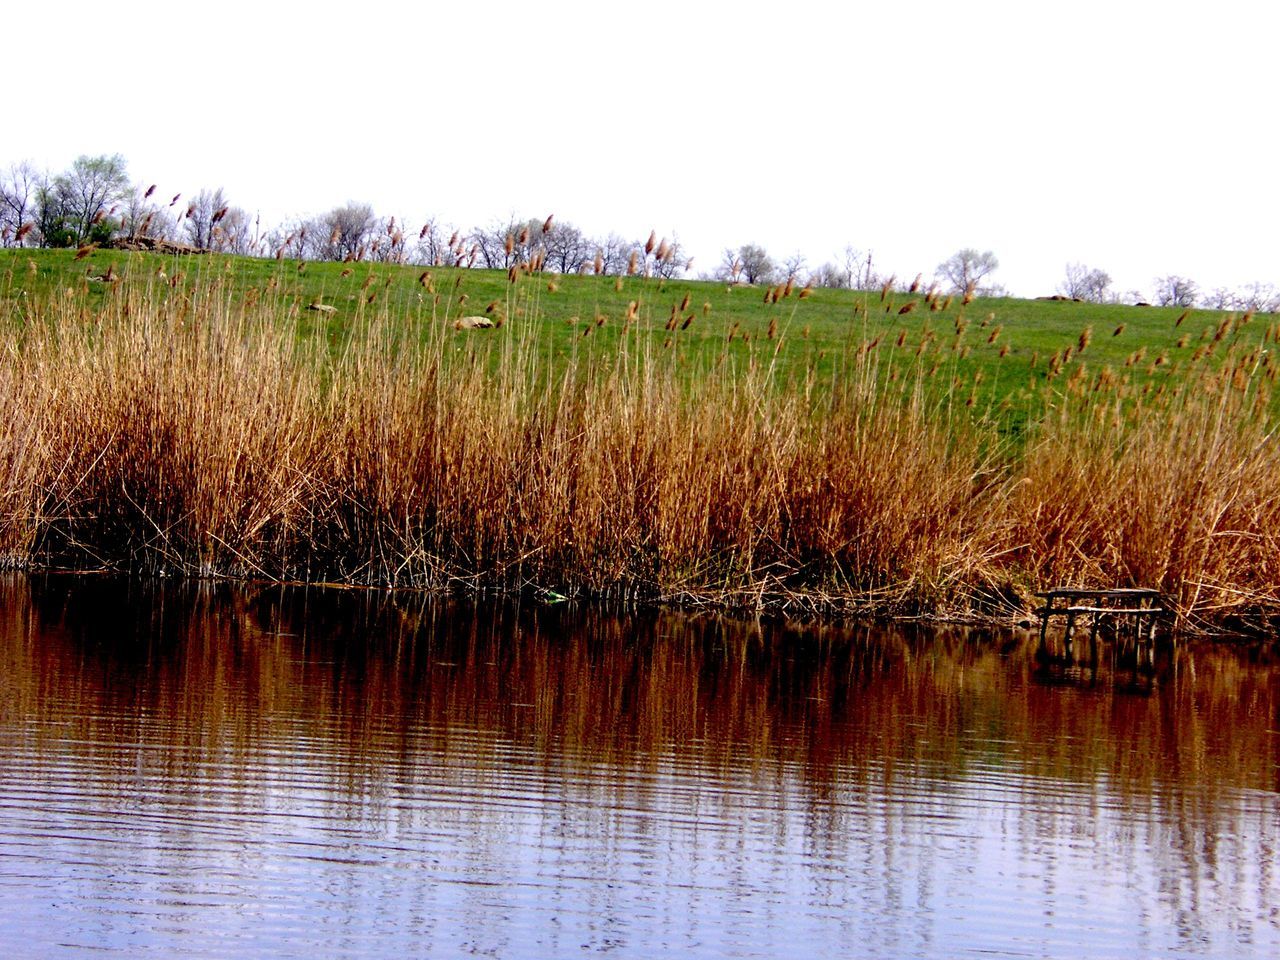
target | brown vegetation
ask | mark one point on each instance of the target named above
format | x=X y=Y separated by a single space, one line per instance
x=194 y=431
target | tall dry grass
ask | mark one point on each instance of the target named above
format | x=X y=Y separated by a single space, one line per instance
x=197 y=431
x=1178 y=489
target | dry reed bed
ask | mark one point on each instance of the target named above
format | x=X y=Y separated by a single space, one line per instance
x=200 y=434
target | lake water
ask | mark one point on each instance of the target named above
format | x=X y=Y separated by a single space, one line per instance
x=217 y=771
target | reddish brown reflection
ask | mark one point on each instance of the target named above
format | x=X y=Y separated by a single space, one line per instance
x=379 y=676
x=254 y=744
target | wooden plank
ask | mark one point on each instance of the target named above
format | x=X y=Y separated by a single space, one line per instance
x=1119 y=592
x=1119 y=611
x=1073 y=604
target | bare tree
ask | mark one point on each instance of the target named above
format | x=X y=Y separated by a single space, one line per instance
x=235 y=233
x=18 y=189
x=489 y=248
x=297 y=238
x=1259 y=297
x=612 y=254
x=438 y=245
x=530 y=238
x=1221 y=298
x=346 y=232
x=385 y=241
x=198 y=221
x=859 y=267
x=1176 y=291
x=1086 y=283
x=143 y=216
x=965 y=269
x=505 y=245
x=81 y=203
x=667 y=260
x=748 y=264
x=757 y=267
x=567 y=249
x=794 y=265
x=497 y=246
x=830 y=275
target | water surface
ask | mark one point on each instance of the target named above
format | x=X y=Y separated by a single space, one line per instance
x=217 y=771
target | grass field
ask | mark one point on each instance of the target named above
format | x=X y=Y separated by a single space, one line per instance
x=629 y=438
x=997 y=350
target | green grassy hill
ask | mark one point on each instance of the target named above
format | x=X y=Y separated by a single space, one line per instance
x=993 y=353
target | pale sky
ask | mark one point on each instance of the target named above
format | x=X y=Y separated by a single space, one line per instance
x=1136 y=137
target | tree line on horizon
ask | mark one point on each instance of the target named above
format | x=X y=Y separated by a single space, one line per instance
x=94 y=202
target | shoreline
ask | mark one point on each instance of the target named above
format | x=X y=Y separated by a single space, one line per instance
x=821 y=608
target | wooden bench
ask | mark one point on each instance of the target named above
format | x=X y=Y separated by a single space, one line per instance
x=1139 y=607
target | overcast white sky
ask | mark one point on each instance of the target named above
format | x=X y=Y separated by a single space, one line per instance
x=1138 y=137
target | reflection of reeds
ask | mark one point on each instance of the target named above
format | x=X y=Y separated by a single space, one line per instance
x=382 y=687
x=207 y=711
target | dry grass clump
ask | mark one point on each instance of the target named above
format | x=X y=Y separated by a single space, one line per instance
x=189 y=430
x=631 y=480
x=198 y=433
x=158 y=433
x=1174 y=489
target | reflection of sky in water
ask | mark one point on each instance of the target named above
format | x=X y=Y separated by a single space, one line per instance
x=237 y=799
